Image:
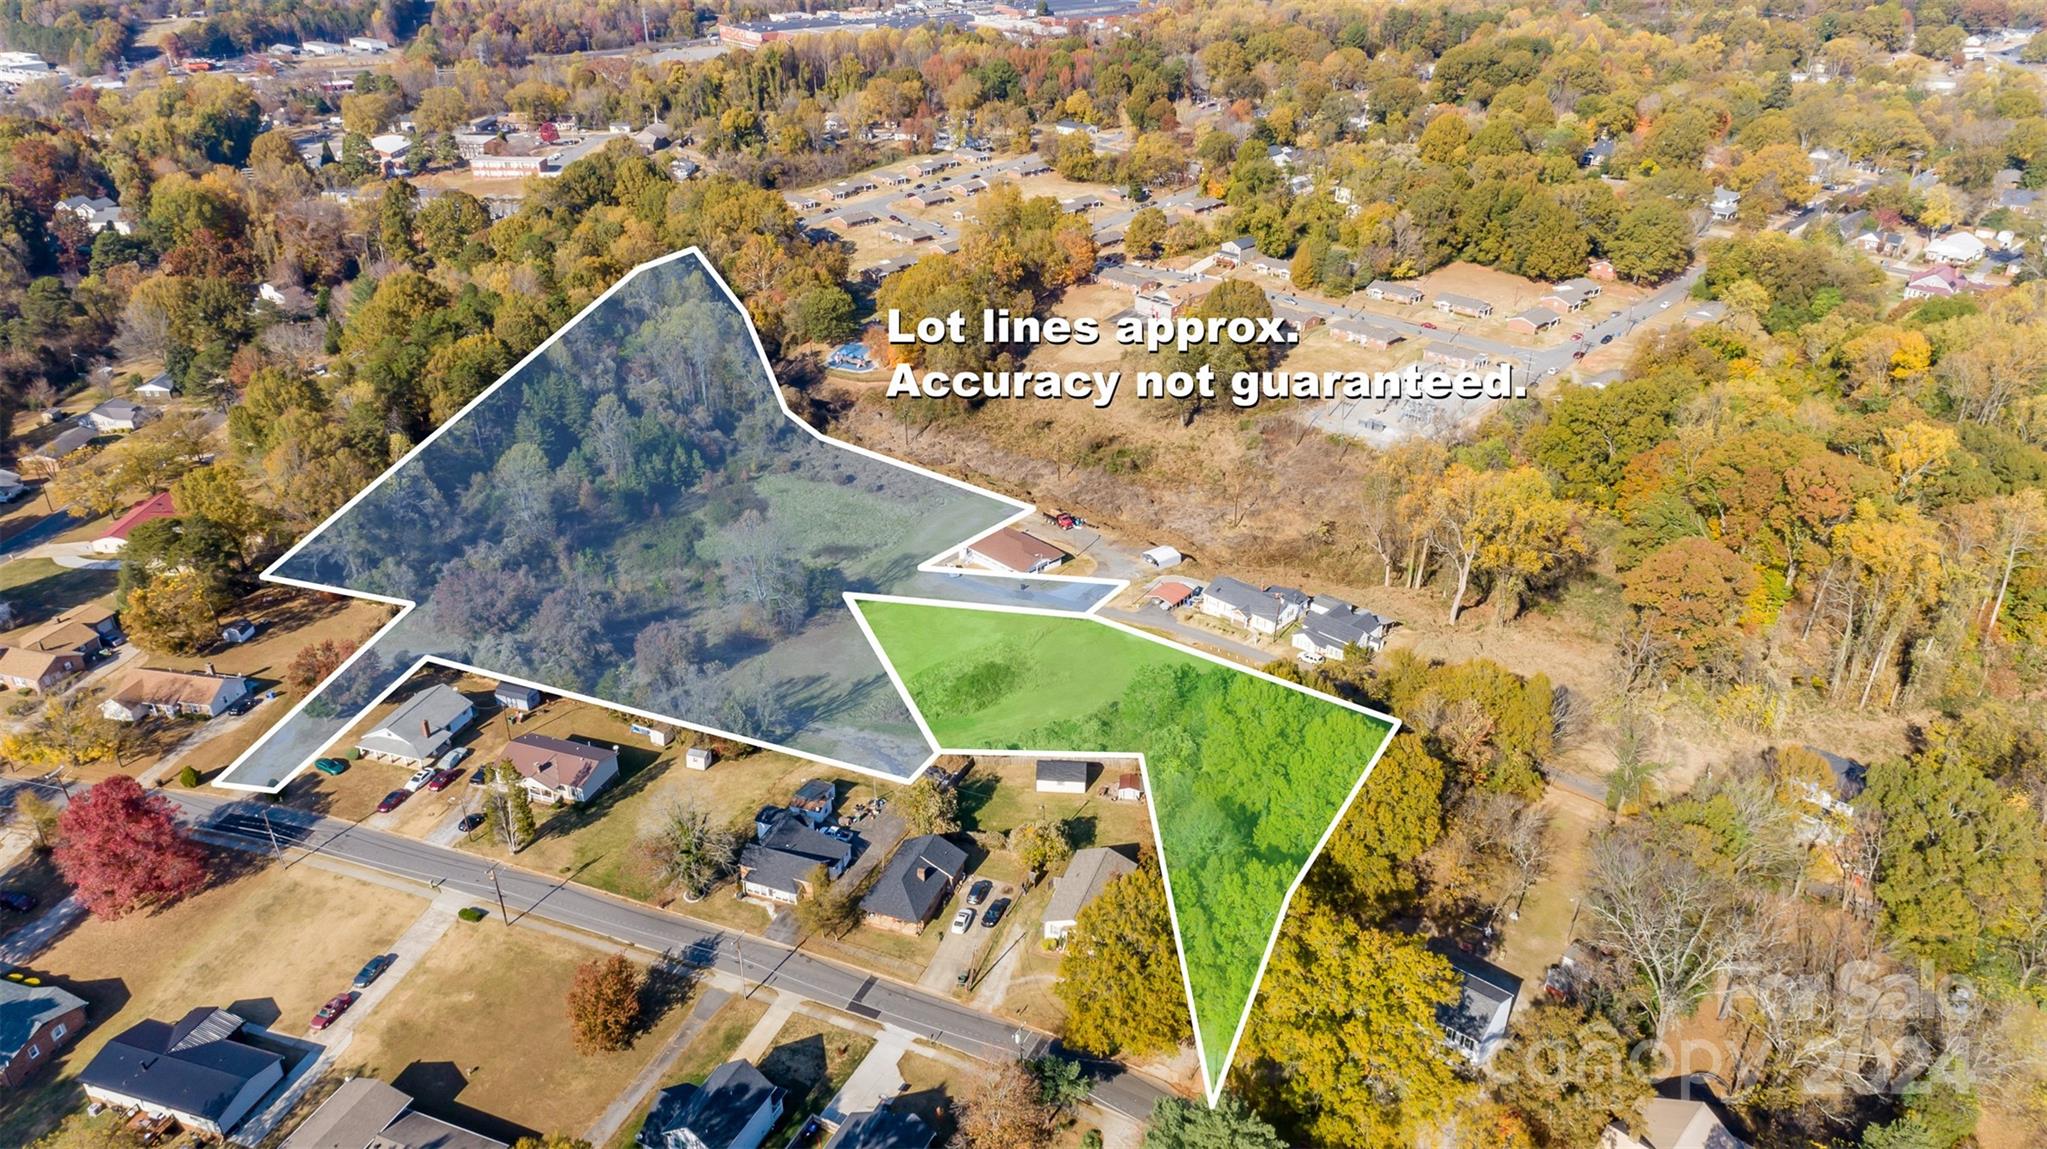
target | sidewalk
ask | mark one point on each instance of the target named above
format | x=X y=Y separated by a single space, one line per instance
x=703 y=1006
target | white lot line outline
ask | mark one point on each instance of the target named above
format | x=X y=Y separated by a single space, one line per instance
x=935 y=565
x=1214 y=1087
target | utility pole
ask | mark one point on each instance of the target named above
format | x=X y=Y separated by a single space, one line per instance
x=275 y=849
x=502 y=911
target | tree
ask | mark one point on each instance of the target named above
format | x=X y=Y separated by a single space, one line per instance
x=175 y=614
x=1062 y=1083
x=507 y=808
x=1568 y=1073
x=1145 y=236
x=37 y=814
x=1677 y=926
x=121 y=849
x=928 y=807
x=1121 y=976
x=73 y=734
x=1692 y=595
x=551 y=1141
x=687 y=850
x=316 y=662
x=1041 y=845
x=1177 y=1123
x=832 y=908
x=1507 y=523
x=1010 y=1112
x=604 y=1003
x=1345 y=1031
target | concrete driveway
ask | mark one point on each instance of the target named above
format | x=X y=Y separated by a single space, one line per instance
x=957 y=953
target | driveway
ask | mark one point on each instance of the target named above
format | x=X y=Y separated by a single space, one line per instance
x=957 y=953
x=1156 y=618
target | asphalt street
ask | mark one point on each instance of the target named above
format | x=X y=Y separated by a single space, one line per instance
x=258 y=824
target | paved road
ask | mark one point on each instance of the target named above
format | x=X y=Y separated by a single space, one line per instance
x=941 y=1020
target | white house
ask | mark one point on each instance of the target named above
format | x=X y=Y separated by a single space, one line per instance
x=1255 y=610
x=156 y=389
x=1956 y=247
x=1331 y=627
x=197 y=1070
x=418 y=731
x=1086 y=874
x=172 y=693
x=558 y=770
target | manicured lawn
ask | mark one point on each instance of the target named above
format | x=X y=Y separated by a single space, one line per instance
x=270 y=945
x=479 y=1034
x=1246 y=773
x=810 y=1059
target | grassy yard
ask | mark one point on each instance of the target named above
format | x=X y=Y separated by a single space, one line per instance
x=1246 y=773
x=270 y=945
x=41 y=590
x=479 y=1033
x=810 y=1059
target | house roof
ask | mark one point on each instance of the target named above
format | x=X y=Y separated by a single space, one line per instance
x=1085 y=875
x=1673 y=1123
x=157 y=506
x=24 y=1009
x=21 y=662
x=1062 y=770
x=367 y=1114
x=1243 y=596
x=1290 y=595
x=1346 y=627
x=153 y=686
x=793 y=835
x=1172 y=593
x=776 y=869
x=1130 y=780
x=526 y=694
x=882 y=1129
x=1362 y=330
x=118 y=410
x=438 y=707
x=715 y=1112
x=817 y=790
x=196 y=1065
x=1016 y=550
x=557 y=763
x=913 y=881
x=69 y=631
x=1466 y=302
x=65 y=442
x=1486 y=992
x=1388 y=287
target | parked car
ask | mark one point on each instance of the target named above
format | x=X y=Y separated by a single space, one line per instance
x=332 y=767
x=332 y=1011
x=454 y=757
x=17 y=901
x=393 y=800
x=480 y=775
x=373 y=969
x=1426 y=325
x=1577 y=336
x=239 y=631
x=469 y=823
x=995 y=912
x=443 y=779
x=978 y=893
x=962 y=921
x=422 y=776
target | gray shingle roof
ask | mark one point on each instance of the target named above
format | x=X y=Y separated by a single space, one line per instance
x=1062 y=770
x=1085 y=875
x=438 y=706
x=24 y=1009
x=715 y=1112
x=1243 y=596
x=882 y=1129
x=195 y=1066
x=915 y=879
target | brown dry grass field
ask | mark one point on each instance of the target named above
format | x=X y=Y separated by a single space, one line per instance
x=269 y=944
x=478 y=1032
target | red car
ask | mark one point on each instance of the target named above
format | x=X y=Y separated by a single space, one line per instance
x=1430 y=326
x=393 y=800
x=442 y=780
x=332 y=1011
x=1577 y=335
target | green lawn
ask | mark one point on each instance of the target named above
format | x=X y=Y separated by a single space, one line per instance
x=40 y=589
x=1246 y=773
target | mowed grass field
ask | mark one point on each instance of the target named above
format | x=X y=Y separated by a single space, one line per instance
x=1246 y=773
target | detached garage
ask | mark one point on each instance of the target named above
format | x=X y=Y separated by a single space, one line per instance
x=1062 y=776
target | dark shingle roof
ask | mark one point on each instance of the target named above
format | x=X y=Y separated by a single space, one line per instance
x=1062 y=770
x=915 y=879
x=24 y=1009
x=715 y=1112
x=195 y=1066
x=882 y=1129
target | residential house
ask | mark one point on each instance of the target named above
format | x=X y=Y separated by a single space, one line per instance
x=2021 y=200
x=914 y=884
x=1957 y=248
x=1561 y=298
x=1672 y=1123
x=172 y=693
x=84 y=630
x=368 y=44
x=881 y=1129
x=1331 y=627
x=1169 y=301
x=1134 y=277
x=1463 y=305
x=1011 y=551
x=419 y=730
x=35 y=1022
x=1365 y=334
x=907 y=232
x=1237 y=250
x=1476 y=1023
x=1937 y=282
x=1270 y=266
x=778 y=867
x=1446 y=355
x=1086 y=875
x=516 y=698
x=1598 y=154
x=1393 y=292
x=1724 y=204
x=25 y=669
x=1535 y=320
x=157 y=506
x=734 y=1108
x=365 y=1113
x=1247 y=606
x=1062 y=776
x=157 y=388
x=98 y=213
x=198 y=1070
x=116 y=415
x=1584 y=285
x=1600 y=269
x=1171 y=594
x=815 y=800
x=559 y=770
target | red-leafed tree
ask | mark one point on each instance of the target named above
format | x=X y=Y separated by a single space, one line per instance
x=315 y=662
x=122 y=850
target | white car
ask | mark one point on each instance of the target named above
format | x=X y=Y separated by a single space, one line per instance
x=962 y=921
x=422 y=776
x=1663 y=306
